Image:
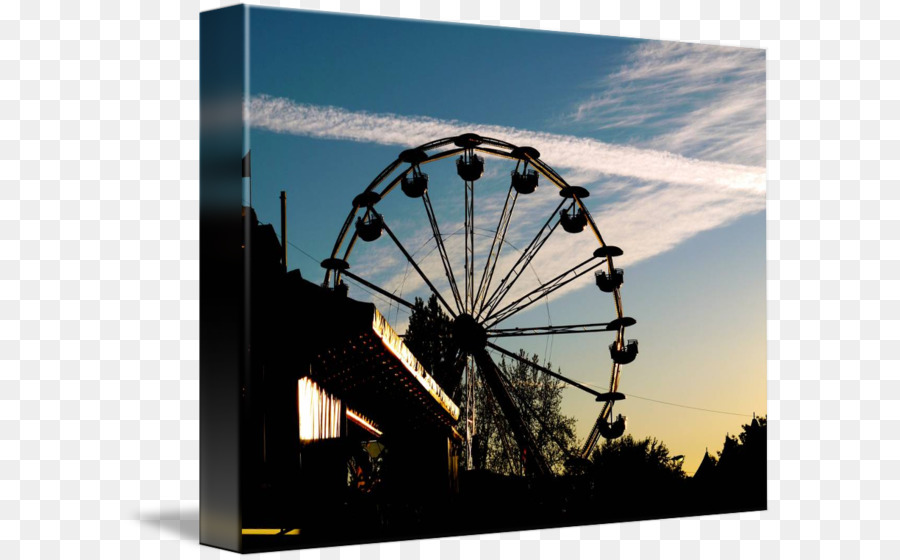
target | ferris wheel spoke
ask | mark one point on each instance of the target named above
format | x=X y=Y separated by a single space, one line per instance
x=492 y=376
x=377 y=288
x=415 y=265
x=470 y=245
x=438 y=238
x=544 y=290
x=513 y=274
x=496 y=245
x=558 y=329
x=511 y=455
x=536 y=416
x=471 y=429
x=548 y=371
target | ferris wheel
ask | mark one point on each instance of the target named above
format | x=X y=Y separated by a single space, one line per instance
x=488 y=295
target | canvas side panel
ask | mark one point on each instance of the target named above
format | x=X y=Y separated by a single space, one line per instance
x=222 y=284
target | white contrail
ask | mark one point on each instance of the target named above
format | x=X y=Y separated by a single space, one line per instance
x=561 y=151
x=664 y=199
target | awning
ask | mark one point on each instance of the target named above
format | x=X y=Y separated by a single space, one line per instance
x=361 y=359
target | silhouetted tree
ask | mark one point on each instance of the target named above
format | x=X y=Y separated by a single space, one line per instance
x=637 y=478
x=537 y=395
x=428 y=336
x=742 y=464
x=647 y=460
x=539 y=399
x=746 y=451
x=737 y=480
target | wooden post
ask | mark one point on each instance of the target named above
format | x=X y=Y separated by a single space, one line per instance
x=284 y=230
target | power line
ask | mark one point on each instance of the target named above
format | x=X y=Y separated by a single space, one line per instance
x=389 y=303
x=686 y=406
x=312 y=258
x=363 y=288
x=671 y=403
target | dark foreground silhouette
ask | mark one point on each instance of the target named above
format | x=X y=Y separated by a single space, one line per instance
x=404 y=478
x=626 y=480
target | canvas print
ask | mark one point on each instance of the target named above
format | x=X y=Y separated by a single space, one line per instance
x=488 y=279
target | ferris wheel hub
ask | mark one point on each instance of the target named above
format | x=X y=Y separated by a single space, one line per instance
x=468 y=334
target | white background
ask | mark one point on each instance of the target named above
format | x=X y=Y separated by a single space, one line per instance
x=99 y=279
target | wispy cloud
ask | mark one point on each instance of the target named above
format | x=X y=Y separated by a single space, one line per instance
x=660 y=199
x=648 y=220
x=592 y=158
x=698 y=100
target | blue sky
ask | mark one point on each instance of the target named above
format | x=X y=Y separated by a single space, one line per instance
x=668 y=137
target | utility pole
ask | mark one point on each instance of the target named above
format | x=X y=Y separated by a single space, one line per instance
x=284 y=230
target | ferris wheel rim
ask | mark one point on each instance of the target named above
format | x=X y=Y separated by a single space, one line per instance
x=466 y=144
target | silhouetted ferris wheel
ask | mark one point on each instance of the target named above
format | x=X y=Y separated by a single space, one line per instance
x=482 y=300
